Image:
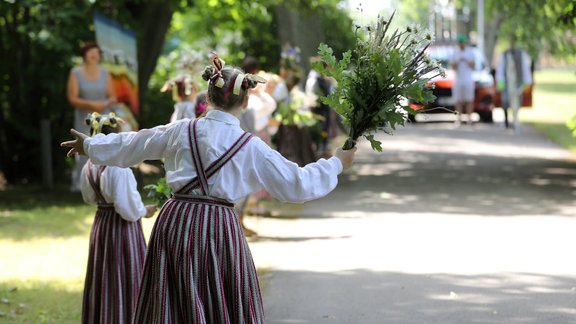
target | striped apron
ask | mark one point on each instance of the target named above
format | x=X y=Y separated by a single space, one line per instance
x=115 y=262
x=199 y=268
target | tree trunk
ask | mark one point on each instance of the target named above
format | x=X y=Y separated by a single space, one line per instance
x=153 y=19
x=491 y=35
x=304 y=31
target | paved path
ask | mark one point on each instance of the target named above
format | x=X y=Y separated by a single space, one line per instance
x=468 y=225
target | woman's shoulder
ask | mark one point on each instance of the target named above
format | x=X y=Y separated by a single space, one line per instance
x=76 y=71
x=104 y=72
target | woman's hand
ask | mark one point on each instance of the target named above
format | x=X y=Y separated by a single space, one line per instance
x=346 y=157
x=100 y=105
x=77 y=145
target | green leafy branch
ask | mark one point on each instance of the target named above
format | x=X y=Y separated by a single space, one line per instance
x=376 y=77
x=159 y=192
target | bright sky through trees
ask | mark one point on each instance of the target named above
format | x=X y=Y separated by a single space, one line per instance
x=370 y=9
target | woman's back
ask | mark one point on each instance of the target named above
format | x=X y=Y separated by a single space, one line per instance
x=254 y=167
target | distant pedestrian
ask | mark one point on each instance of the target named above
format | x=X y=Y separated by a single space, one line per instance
x=462 y=62
x=513 y=75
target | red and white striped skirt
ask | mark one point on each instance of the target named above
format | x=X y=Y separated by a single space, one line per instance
x=199 y=268
x=115 y=264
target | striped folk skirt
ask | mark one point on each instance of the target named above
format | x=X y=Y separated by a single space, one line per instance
x=115 y=264
x=199 y=268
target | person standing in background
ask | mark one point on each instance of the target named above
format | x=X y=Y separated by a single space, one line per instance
x=184 y=92
x=513 y=75
x=89 y=90
x=185 y=88
x=462 y=62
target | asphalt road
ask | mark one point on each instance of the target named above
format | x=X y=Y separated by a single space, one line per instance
x=467 y=225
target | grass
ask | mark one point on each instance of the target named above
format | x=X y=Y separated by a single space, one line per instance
x=43 y=254
x=554 y=99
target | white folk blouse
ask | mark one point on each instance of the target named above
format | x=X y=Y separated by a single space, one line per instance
x=118 y=186
x=255 y=167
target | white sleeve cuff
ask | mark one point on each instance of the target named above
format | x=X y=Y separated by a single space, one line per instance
x=337 y=164
x=86 y=144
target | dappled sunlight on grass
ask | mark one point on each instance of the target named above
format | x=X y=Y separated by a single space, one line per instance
x=44 y=258
x=44 y=238
x=41 y=300
x=49 y=221
x=553 y=106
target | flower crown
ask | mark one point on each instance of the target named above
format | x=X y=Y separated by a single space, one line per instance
x=97 y=121
x=290 y=56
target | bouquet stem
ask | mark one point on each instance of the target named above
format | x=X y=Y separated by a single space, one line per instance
x=349 y=144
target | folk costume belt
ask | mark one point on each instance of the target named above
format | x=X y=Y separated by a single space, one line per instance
x=201 y=199
x=105 y=206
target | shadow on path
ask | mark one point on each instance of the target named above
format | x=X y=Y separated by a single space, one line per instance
x=481 y=170
x=390 y=297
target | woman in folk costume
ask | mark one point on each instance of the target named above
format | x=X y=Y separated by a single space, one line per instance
x=185 y=88
x=117 y=246
x=190 y=103
x=184 y=92
x=199 y=268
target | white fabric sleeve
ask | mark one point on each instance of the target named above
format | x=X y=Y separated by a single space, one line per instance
x=526 y=68
x=268 y=103
x=454 y=58
x=189 y=110
x=500 y=68
x=88 y=194
x=121 y=184
x=127 y=149
x=288 y=182
x=280 y=92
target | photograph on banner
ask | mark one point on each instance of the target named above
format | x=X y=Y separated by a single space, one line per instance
x=119 y=56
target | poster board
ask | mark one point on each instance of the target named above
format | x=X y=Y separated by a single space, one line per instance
x=119 y=56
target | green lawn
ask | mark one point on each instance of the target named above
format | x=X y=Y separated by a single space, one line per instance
x=43 y=252
x=554 y=104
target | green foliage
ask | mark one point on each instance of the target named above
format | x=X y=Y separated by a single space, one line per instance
x=292 y=112
x=387 y=67
x=40 y=40
x=240 y=28
x=157 y=107
x=159 y=192
x=571 y=124
x=235 y=29
x=552 y=30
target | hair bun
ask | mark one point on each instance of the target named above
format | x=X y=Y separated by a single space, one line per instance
x=208 y=72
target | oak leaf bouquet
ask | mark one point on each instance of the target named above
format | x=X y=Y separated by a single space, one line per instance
x=385 y=68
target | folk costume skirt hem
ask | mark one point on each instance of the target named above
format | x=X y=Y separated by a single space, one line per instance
x=199 y=268
x=115 y=264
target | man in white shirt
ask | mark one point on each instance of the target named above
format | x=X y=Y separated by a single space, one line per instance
x=463 y=89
